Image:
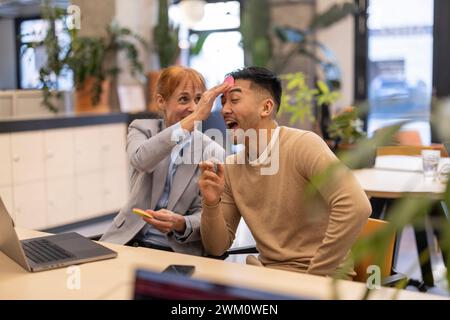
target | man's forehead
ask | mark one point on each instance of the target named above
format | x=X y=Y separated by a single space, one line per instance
x=243 y=84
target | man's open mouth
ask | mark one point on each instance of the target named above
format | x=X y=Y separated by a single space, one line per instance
x=231 y=124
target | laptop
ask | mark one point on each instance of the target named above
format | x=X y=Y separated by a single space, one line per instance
x=49 y=252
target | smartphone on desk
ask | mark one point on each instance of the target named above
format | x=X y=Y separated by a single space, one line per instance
x=183 y=270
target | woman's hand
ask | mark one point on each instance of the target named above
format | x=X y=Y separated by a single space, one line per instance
x=204 y=106
x=166 y=221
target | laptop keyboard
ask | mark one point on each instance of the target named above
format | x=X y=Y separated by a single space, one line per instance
x=43 y=251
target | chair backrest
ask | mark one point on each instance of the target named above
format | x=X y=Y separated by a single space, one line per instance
x=408 y=138
x=410 y=150
x=373 y=226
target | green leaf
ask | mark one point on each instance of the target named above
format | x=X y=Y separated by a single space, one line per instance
x=198 y=46
x=323 y=87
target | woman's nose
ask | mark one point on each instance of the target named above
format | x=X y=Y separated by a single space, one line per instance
x=192 y=106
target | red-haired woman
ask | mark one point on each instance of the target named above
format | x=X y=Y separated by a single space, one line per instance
x=164 y=156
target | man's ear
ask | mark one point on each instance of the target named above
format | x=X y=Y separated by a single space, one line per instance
x=268 y=106
x=161 y=103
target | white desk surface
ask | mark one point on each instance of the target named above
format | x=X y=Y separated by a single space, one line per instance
x=395 y=183
x=113 y=279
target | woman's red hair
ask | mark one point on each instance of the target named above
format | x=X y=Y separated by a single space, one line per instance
x=171 y=77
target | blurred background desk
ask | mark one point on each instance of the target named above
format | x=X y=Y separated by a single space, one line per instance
x=114 y=278
x=395 y=184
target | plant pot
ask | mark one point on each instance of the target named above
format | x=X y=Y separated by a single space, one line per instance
x=83 y=98
x=346 y=147
x=352 y=149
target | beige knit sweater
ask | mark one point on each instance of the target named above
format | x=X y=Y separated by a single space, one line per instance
x=294 y=229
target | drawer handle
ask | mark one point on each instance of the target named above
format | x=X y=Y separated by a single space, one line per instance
x=16 y=158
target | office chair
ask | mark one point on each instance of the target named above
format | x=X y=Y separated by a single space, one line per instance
x=408 y=138
x=389 y=277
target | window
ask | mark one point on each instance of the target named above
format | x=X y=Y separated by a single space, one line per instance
x=222 y=51
x=399 y=66
x=30 y=60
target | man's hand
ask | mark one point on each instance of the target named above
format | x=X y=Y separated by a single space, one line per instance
x=211 y=184
x=166 y=221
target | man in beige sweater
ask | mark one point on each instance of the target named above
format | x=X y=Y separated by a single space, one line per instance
x=299 y=224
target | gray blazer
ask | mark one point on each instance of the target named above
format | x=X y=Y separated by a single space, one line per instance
x=149 y=147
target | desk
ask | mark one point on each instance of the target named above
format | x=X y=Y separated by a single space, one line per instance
x=113 y=279
x=393 y=184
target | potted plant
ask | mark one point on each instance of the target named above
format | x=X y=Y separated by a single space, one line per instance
x=87 y=57
x=303 y=42
x=255 y=29
x=299 y=100
x=166 y=37
x=346 y=128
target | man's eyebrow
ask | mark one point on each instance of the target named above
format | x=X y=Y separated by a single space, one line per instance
x=223 y=96
x=235 y=90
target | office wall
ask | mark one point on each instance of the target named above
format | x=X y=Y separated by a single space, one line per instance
x=140 y=17
x=296 y=15
x=7 y=54
x=340 y=38
x=95 y=16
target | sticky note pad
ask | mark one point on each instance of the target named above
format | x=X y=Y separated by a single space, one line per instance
x=142 y=213
x=229 y=80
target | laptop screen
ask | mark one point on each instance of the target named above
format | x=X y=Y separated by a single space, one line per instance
x=164 y=286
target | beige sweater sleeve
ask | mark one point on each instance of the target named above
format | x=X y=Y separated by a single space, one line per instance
x=219 y=223
x=349 y=205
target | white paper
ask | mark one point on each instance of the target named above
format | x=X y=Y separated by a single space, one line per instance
x=405 y=163
x=131 y=98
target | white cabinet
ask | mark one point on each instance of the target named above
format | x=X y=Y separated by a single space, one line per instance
x=115 y=189
x=6 y=194
x=5 y=160
x=113 y=144
x=115 y=173
x=54 y=177
x=27 y=156
x=89 y=196
x=60 y=201
x=59 y=153
x=6 y=104
x=30 y=205
x=87 y=149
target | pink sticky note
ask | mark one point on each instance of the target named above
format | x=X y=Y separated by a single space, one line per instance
x=229 y=80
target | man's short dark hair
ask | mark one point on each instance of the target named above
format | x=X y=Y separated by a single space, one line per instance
x=263 y=78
